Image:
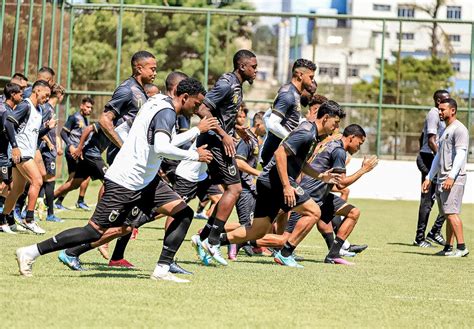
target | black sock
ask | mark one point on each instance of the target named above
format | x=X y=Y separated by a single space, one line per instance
x=336 y=223
x=224 y=241
x=2 y=201
x=120 y=247
x=69 y=238
x=200 y=208
x=287 y=249
x=253 y=243
x=79 y=250
x=461 y=246
x=216 y=230
x=49 y=194
x=80 y=199
x=448 y=247
x=175 y=234
x=10 y=219
x=59 y=200
x=3 y=219
x=30 y=216
x=207 y=229
x=329 y=238
x=335 y=248
x=42 y=191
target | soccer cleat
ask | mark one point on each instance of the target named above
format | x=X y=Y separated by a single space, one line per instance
x=422 y=244
x=296 y=257
x=201 y=253
x=6 y=229
x=17 y=215
x=436 y=238
x=346 y=253
x=104 y=250
x=18 y=228
x=53 y=218
x=121 y=263
x=70 y=261
x=83 y=206
x=232 y=251
x=459 y=253
x=168 y=276
x=33 y=227
x=337 y=260
x=176 y=269
x=444 y=253
x=59 y=206
x=25 y=263
x=286 y=261
x=214 y=251
x=201 y=215
x=357 y=248
x=248 y=250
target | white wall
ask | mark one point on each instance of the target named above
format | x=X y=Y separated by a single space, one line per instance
x=397 y=180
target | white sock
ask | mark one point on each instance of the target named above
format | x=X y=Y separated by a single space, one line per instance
x=32 y=251
x=346 y=245
x=161 y=269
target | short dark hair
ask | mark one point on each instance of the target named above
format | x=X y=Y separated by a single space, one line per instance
x=354 y=129
x=10 y=89
x=57 y=90
x=438 y=93
x=452 y=103
x=317 y=99
x=19 y=76
x=258 y=117
x=46 y=69
x=332 y=109
x=240 y=55
x=306 y=63
x=191 y=87
x=87 y=99
x=173 y=79
x=40 y=83
x=139 y=55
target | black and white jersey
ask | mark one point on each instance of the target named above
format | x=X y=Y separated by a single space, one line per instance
x=248 y=152
x=74 y=126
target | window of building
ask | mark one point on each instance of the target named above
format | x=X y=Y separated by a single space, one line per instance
x=456 y=66
x=329 y=70
x=353 y=72
x=454 y=38
x=406 y=36
x=406 y=11
x=379 y=33
x=379 y=7
x=453 y=12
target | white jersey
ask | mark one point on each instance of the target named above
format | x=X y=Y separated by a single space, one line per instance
x=137 y=163
x=192 y=171
x=27 y=135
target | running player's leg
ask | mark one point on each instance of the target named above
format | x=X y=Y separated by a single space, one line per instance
x=31 y=172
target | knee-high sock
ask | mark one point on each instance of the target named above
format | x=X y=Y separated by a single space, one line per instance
x=69 y=238
x=49 y=194
x=120 y=247
x=175 y=235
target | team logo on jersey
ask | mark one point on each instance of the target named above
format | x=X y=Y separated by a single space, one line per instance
x=52 y=166
x=81 y=124
x=232 y=170
x=113 y=216
x=135 y=211
x=4 y=170
x=299 y=191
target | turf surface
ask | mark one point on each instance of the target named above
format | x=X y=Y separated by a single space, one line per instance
x=393 y=284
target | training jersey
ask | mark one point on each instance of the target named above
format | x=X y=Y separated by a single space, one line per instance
x=287 y=105
x=224 y=100
x=300 y=145
x=4 y=142
x=74 y=126
x=96 y=144
x=48 y=112
x=27 y=120
x=332 y=156
x=192 y=171
x=136 y=163
x=454 y=136
x=432 y=125
x=248 y=152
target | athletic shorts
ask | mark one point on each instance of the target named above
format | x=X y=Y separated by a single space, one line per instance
x=169 y=168
x=245 y=206
x=189 y=190
x=449 y=201
x=6 y=172
x=49 y=165
x=71 y=163
x=222 y=169
x=270 y=199
x=121 y=206
x=94 y=168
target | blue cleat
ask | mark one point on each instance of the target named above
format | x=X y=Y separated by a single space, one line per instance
x=197 y=245
x=286 y=261
x=59 y=206
x=70 y=261
x=83 y=206
x=53 y=218
x=214 y=251
x=17 y=215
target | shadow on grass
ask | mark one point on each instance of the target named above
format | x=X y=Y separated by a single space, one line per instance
x=400 y=244
x=152 y=228
x=94 y=266
x=417 y=253
x=116 y=275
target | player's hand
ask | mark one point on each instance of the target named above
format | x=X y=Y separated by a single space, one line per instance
x=77 y=154
x=204 y=155
x=425 y=187
x=16 y=155
x=448 y=184
x=242 y=132
x=72 y=149
x=331 y=178
x=60 y=151
x=289 y=195
x=229 y=145
x=207 y=123
x=52 y=122
x=369 y=163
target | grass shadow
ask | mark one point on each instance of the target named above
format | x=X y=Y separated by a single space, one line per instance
x=116 y=275
x=417 y=253
x=400 y=244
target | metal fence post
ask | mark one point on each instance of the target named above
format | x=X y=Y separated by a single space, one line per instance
x=2 y=18
x=51 y=37
x=379 y=112
x=28 y=38
x=69 y=62
x=41 y=41
x=296 y=43
x=469 y=99
x=60 y=50
x=119 y=44
x=206 y=51
x=15 y=38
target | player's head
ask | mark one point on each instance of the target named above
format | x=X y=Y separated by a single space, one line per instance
x=172 y=81
x=329 y=115
x=41 y=90
x=314 y=104
x=144 y=66
x=20 y=80
x=47 y=74
x=307 y=94
x=58 y=92
x=241 y=118
x=190 y=94
x=87 y=105
x=259 y=124
x=13 y=92
x=245 y=63
x=439 y=95
x=303 y=72
x=354 y=136
x=447 y=109
x=151 y=89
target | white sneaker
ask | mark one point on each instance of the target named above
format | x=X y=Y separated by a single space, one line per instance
x=33 y=227
x=346 y=253
x=6 y=229
x=25 y=263
x=459 y=253
x=214 y=251
x=168 y=276
x=18 y=228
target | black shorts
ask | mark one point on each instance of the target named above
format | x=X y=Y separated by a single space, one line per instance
x=270 y=199
x=94 y=168
x=119 y=205
x=49 y=164
x=189 y=190
x=169 y=168
x=6 y=172
x=245 y=206
x=71 y=163
x=222 y=169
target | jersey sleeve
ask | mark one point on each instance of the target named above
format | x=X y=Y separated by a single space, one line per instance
x=283 y=103
x=243 y=150
x=461 y=138
x=119 y=102
x=219 y=92
x=338 y=156
x=163 y=121
x=183 y=123
x=296 y=139
x=20 y=114
x=70 y=123
x=432 y=122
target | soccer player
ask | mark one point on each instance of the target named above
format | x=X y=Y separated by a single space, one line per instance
x=23 y=127
x=71 y=135
x=45 y=74
x=151 y=89
x=223 y=102
x=20 y=80
x=433 y=128
x=449 y=166
x=132 y=181
x=277 y=188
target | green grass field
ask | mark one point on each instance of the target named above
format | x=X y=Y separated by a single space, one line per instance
x=392 y=285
